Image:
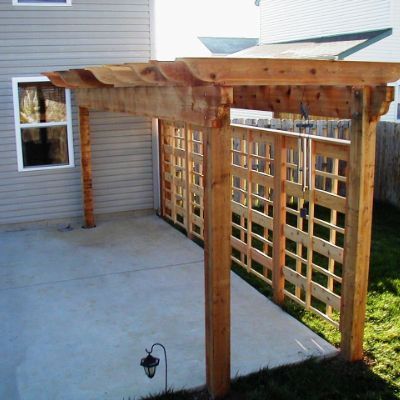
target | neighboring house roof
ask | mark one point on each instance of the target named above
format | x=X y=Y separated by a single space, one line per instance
x=227 y=45
x=324 y=47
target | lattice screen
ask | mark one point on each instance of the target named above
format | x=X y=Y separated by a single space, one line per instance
x=315 y=206
x=182 y=176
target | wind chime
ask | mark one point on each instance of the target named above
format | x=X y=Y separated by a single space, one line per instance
x=304 y=167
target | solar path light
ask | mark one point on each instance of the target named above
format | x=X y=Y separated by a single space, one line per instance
x=150 y=363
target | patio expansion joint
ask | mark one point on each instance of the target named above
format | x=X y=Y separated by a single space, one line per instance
x=130 y=271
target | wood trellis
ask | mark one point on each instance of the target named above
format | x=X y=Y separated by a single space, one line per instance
x=312 y=245
x=295 y=211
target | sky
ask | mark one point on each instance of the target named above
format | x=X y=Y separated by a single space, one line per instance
x=179 y=22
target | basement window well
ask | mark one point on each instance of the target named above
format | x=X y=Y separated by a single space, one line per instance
x=43 y=128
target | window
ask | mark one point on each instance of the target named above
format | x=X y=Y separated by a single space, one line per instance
x=41 y=2
x=43 y=126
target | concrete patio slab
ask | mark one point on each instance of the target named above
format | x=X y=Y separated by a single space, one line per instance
x=79 y=307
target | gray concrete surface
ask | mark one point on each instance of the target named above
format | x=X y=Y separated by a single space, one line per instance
x=77 y=309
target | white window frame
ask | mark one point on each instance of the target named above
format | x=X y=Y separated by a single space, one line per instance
x=19 y=126
x=43 y=4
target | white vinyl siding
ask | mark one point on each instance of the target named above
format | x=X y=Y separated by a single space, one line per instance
x=121 y=162
x=286 y=20
x=89 y=32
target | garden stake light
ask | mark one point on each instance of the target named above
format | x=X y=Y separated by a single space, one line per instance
x=150 y=363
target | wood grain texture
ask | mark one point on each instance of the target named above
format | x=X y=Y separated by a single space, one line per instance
x=328 y=101
x=217 y=248
x=358 y=225
x=197 y=105
x=264 y=71
x=279 y=242
x=86 y=164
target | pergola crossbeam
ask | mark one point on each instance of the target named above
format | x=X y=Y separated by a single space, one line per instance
x=333 y=101
x=197 y=105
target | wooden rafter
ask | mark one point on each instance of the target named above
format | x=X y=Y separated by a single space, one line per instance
x=248 y=72
x=262 y=71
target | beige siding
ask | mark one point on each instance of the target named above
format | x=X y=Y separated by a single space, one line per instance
x=35 y=39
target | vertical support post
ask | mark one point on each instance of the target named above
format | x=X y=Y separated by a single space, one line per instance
x=217 y=247
x=278 y=279
x=86 y=165
x=358 y=224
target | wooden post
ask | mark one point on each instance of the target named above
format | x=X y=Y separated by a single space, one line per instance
x=86 y=165
x=358 y=224
x=278 y=280
x=217 y=247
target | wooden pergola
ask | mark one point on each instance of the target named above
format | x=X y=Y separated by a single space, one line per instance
x=200 y=92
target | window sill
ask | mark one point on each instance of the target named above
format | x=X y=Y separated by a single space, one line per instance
x=44 y=168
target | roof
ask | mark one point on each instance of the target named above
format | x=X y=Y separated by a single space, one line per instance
x=227 y=45
x=323 y=47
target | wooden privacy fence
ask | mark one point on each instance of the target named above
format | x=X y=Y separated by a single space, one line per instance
x=288 y=204
x=387 y=167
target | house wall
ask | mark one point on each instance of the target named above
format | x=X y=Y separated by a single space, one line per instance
x=34 y=39
x=286 y=20
x=387 y=49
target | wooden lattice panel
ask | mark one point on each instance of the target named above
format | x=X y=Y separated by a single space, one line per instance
x=312 y=213
x=173 y=172
x=196 y=182
x=252 y=201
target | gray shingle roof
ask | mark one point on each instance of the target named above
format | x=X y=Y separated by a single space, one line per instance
x=227 y=45
x=324 y=47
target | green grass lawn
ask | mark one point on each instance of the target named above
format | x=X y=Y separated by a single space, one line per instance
x=378 y=376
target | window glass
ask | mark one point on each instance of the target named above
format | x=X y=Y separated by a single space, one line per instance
x=45 y=146
x=41 y=102
x=43 y=124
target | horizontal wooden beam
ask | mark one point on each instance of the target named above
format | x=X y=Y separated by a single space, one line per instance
x=202 y=106
x=320 y=100
x=329 y=101
x=264 y=71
